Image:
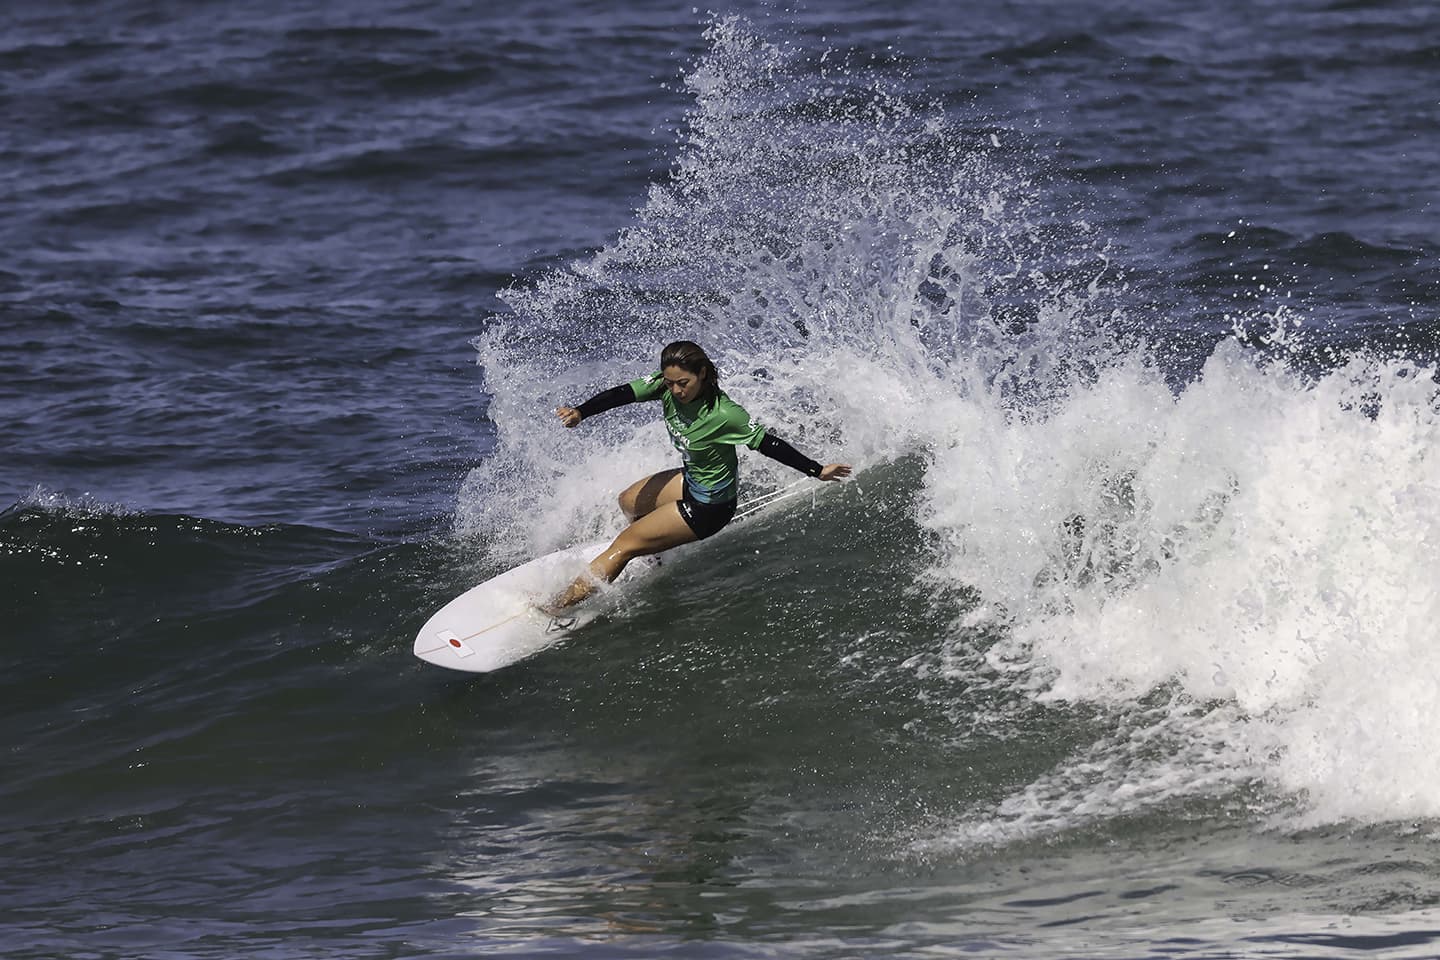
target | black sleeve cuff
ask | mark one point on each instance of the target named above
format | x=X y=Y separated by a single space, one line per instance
x=777 y=449
x=608 y=400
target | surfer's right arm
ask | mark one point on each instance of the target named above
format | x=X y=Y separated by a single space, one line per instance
x=605 y=400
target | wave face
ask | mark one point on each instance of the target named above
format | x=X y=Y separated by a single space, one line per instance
x=1206 y=549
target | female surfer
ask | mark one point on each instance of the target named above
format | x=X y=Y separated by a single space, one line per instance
x=673 y=507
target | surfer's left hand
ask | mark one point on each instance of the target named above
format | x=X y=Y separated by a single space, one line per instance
x=835 y=471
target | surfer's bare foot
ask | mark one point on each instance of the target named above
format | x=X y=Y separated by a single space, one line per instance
x=550 y=608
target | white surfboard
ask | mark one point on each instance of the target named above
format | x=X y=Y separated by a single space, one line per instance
x=496 y=624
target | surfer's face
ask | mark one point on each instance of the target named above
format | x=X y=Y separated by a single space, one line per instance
x=683 y=385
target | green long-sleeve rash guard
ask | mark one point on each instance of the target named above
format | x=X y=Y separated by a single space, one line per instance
x=706 y=432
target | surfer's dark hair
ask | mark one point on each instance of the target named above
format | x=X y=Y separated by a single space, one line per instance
x=691 y=358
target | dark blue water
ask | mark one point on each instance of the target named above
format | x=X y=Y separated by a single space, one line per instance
x=1121 y=643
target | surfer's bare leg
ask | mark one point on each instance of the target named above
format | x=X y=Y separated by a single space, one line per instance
x=660 y=529
x=643 y=496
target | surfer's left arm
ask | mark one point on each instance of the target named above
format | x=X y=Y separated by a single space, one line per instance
x=777 y=449
x=605 y=400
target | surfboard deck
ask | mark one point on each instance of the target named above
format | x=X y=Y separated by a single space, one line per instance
x=496 y=624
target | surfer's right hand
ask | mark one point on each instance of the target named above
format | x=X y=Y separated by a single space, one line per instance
x=568 y=415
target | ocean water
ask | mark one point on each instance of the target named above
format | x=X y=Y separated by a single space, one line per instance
x=1122 y=642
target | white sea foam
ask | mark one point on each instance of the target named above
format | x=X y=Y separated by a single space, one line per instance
x=1262 y=544
x=834 y=250
x=1241 y=572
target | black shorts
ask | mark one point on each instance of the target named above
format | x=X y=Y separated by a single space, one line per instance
x=705 y=519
